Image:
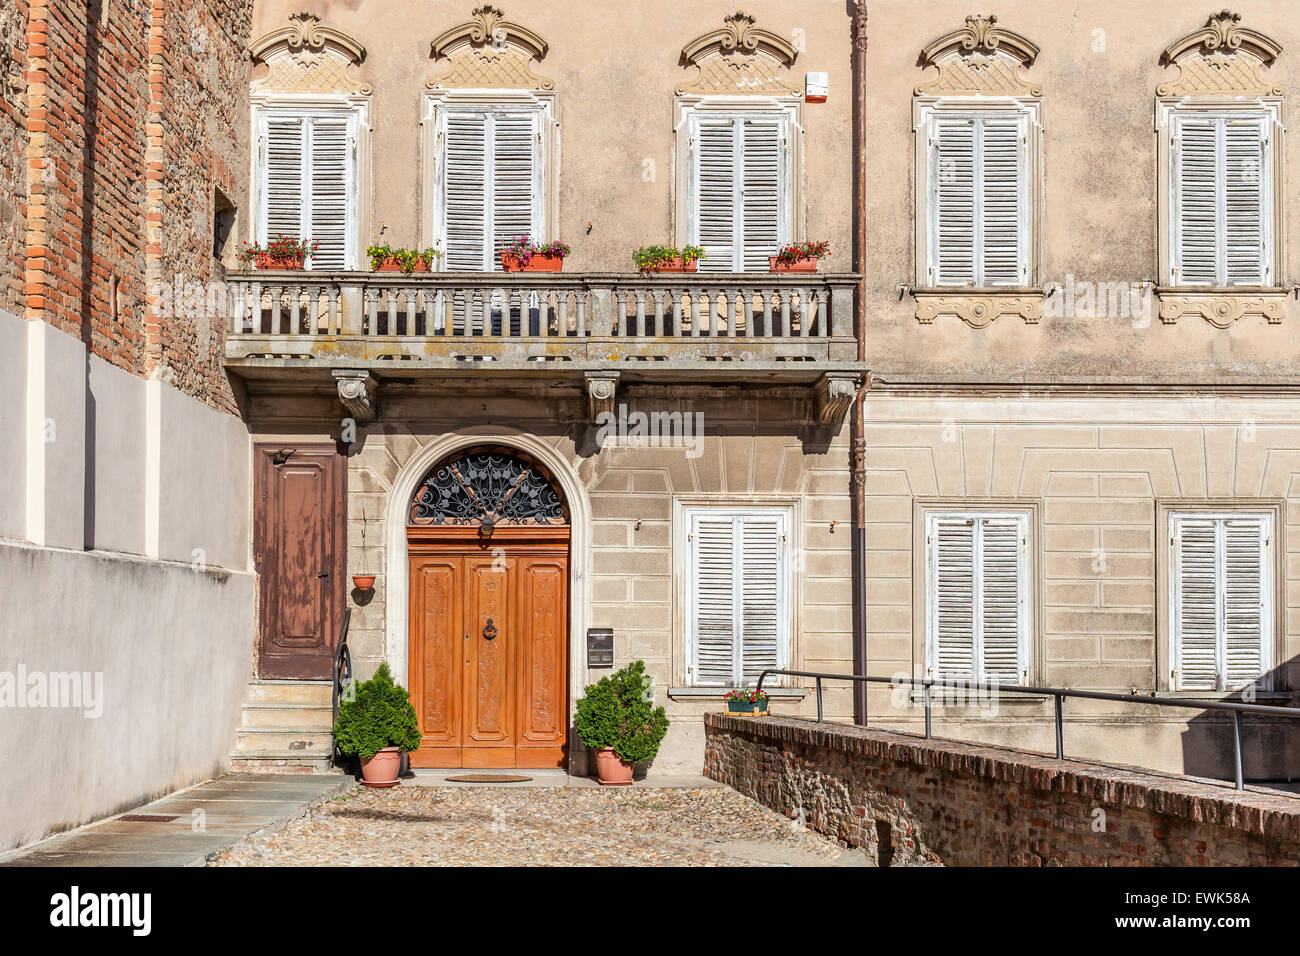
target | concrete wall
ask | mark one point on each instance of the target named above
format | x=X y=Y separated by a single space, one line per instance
x=173 y=646
x=913 y=801
x=129 y=558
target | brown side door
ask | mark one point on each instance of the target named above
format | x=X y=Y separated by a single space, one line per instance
x=299 y=541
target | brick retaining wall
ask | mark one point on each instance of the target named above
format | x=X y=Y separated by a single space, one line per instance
x=959 y=804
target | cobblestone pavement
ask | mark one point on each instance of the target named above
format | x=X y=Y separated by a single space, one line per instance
x=486 y=826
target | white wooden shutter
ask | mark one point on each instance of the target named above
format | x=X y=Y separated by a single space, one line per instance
x=327 y=220
x=1001 y=593
x=763 y=141
x=1222 y=601
x=760 y=583
x=1245 y=600
x=1196 y=604
x=491 y=185
x=1197 y=204
x=715 y=206
x=1221 y=224
x=977 y=622
x=978 y=232
x=1001 y=182
x=952 y=584
x=283 y=186
x=713 y=574
x=1245 y=253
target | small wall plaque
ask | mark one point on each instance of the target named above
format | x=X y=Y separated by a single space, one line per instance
x=600 y=647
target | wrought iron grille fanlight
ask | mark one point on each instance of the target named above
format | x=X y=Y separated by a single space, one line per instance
x=487 y=487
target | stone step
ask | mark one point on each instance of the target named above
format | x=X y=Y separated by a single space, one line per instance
x=289 y=692
x=281 y=738
x=312 y=717
x=281 y=761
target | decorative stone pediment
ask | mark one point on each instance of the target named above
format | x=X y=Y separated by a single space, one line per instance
x=1222 y=57
x=1222 y=309
x=740 y=59
x=306 y=57
x=489 y=52
x=980 y=59
x=975 y=309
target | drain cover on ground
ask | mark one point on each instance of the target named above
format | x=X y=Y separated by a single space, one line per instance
x=145 y=818
x=488 y=778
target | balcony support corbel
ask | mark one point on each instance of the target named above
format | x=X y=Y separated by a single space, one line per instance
x=601 y=389
x=359 y=393
x=834 y=394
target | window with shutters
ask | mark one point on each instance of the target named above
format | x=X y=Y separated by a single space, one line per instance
x=1221 y=599
x=739 y=184
x=978 y=596
x=490 y=163
x=978 y=183
x=738 y=613
x=1220 y=197
x=307 y=180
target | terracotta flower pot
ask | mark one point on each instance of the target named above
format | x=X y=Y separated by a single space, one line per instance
x=799 y=265
x=611 y=769
x=392 y=265
x=676 y=265
x=536 y=263
x=266 y=263
x=381 y=769
x=363 y=582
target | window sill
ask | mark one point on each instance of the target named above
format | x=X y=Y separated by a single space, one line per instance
x=718 y=693
x=1222 y=307
x=978 y=308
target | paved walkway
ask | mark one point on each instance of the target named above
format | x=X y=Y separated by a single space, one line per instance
x=497 y=825
x=191 y=825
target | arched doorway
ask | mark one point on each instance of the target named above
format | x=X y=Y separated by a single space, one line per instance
x=488 y=551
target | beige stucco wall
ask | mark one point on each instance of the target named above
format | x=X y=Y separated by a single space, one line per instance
x=1095 y=469
x=1099 y=217
x=615 y=69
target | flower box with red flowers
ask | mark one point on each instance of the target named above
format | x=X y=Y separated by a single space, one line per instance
x=746 y=702
x=524 y=255
x=281 y=253
x=798 y=257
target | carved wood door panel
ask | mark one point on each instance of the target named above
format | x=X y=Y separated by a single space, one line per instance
x=488 y=653
x=299 y=552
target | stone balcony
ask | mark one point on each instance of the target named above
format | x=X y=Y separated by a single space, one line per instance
x=361 y=327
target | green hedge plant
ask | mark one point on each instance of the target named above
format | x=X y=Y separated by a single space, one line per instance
x=379 y=715
x=618 y=711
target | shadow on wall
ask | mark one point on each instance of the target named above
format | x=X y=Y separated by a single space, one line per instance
x=1270 y=745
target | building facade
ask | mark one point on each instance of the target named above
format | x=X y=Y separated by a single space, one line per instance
x=1032 y=421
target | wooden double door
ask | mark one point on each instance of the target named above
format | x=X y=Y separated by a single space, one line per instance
x=489 y=648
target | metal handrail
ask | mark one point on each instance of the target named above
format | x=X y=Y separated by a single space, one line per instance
x=341 y=673
x=1058 y=694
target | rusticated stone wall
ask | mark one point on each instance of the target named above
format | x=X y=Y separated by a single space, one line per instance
x=905 y=799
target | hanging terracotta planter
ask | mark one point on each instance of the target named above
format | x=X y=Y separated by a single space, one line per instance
x=363 y=582
x=537 y=262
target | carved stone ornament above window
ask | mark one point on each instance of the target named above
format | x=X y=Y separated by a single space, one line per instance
x=1222 y=57
x=980 y=59
x=489 y=52
x=978 y=310
x=306 y=57
x=740 y=59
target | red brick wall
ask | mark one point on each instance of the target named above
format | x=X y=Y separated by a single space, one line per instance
x=125 y=112
x=963 y=805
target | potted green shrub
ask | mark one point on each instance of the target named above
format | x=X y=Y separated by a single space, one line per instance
x=617 y=719
x=377 y=725
x=798 y=257
x=282 y=252
x=386 y=258
x=668 y=258
x=523 y=255
x=746 y=701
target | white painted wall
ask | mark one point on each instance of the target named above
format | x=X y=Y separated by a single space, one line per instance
x=109 y=485
x=174 y=646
